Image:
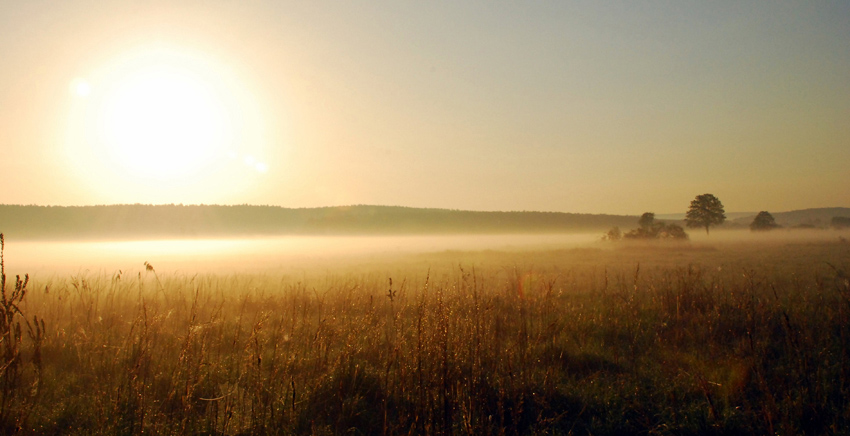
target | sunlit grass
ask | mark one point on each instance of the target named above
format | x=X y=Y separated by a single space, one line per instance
x=655 y=339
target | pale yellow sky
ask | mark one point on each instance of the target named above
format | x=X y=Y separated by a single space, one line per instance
x=596 y=107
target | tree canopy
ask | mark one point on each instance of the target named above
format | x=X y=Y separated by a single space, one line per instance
x=706 y=210
x=763 y=221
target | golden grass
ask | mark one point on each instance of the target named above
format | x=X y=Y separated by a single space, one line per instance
x=657 y=339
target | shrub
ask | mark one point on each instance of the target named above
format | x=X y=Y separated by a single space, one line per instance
x=652 y=229
x=763 y=221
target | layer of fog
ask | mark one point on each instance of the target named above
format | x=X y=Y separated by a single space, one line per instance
x=255 y=254
x=279 y=254
x=780 y=235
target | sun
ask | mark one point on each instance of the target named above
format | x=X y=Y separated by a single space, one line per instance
x=80 y=88
x=164 y=121
x=165 y=124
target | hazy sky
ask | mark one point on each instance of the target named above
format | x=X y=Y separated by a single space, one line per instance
x=575 y=106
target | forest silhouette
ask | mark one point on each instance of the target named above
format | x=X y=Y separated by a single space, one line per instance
x=139 y=220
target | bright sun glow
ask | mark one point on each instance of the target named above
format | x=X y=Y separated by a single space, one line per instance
x=81 y=88
x=162 y=124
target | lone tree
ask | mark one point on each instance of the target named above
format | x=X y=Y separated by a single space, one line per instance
x=763 y=221
x=706 y=210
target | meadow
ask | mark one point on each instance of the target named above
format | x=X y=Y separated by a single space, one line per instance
x=676 y=338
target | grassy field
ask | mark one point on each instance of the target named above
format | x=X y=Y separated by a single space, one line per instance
x=747 y=338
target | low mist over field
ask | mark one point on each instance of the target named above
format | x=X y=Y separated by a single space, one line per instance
x=281 y=254
x=261 y=254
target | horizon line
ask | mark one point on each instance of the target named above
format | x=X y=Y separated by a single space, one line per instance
x=386 y=206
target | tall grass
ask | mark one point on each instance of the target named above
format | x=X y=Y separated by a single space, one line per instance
x=573 y=342
x=20 y=370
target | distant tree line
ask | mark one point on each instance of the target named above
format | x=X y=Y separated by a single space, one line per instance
x=139 y=221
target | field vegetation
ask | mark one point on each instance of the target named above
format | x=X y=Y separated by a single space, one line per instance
x=626 y=338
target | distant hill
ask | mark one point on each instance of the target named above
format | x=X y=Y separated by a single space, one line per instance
x=139 y=221
x=818 y=217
